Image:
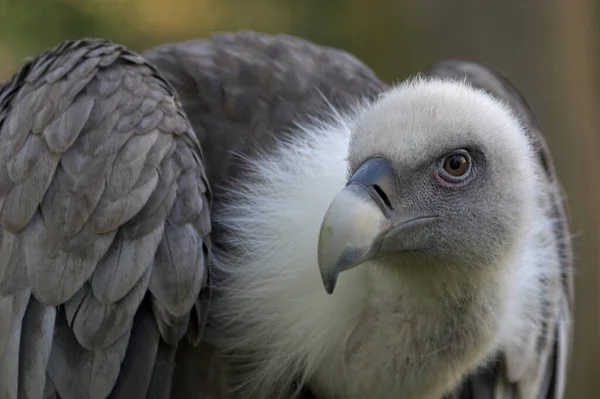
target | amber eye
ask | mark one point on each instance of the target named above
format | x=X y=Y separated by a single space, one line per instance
x=456 y=165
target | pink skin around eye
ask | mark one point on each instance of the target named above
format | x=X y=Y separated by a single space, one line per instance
x=442 y=182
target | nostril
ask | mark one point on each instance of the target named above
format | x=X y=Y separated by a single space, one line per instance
x=382 y=194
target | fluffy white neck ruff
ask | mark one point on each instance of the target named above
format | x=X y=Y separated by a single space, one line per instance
x=377 y=336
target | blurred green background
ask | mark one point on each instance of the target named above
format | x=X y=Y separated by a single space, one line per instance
x=548 y=48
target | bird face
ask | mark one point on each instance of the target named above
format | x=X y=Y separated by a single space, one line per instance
x=437 y=169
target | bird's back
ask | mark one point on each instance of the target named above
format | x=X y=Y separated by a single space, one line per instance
x=244 y=92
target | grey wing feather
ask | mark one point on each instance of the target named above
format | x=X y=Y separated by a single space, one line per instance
x=550 y=352
x=136 y=370
x=161 y=381
x=9 y=360
x=36 y=342
x=100 y=171
x=80 y=373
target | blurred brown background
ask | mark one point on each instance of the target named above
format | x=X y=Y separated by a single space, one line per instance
x=548 y=48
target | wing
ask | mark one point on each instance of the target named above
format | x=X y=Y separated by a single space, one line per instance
x=507 y=378
x=104 y=224
x=242 y=92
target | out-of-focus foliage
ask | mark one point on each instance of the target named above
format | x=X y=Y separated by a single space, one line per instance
x=548 y=48
x=29 y=26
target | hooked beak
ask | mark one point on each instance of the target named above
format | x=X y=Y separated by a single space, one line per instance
x=362 y=223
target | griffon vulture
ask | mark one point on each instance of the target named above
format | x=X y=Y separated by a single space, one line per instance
x=254 y=216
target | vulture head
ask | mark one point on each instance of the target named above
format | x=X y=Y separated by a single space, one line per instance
x=441 y=188
x=417 y=207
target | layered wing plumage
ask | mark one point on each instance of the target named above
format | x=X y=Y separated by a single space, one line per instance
x=104 y=224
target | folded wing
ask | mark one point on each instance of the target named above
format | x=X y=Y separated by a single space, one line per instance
x=104 y=224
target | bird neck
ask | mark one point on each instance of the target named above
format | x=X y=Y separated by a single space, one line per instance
x=269 y=307
x=407 y=322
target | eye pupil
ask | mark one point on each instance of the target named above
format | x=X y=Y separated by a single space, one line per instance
x=456 y=165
